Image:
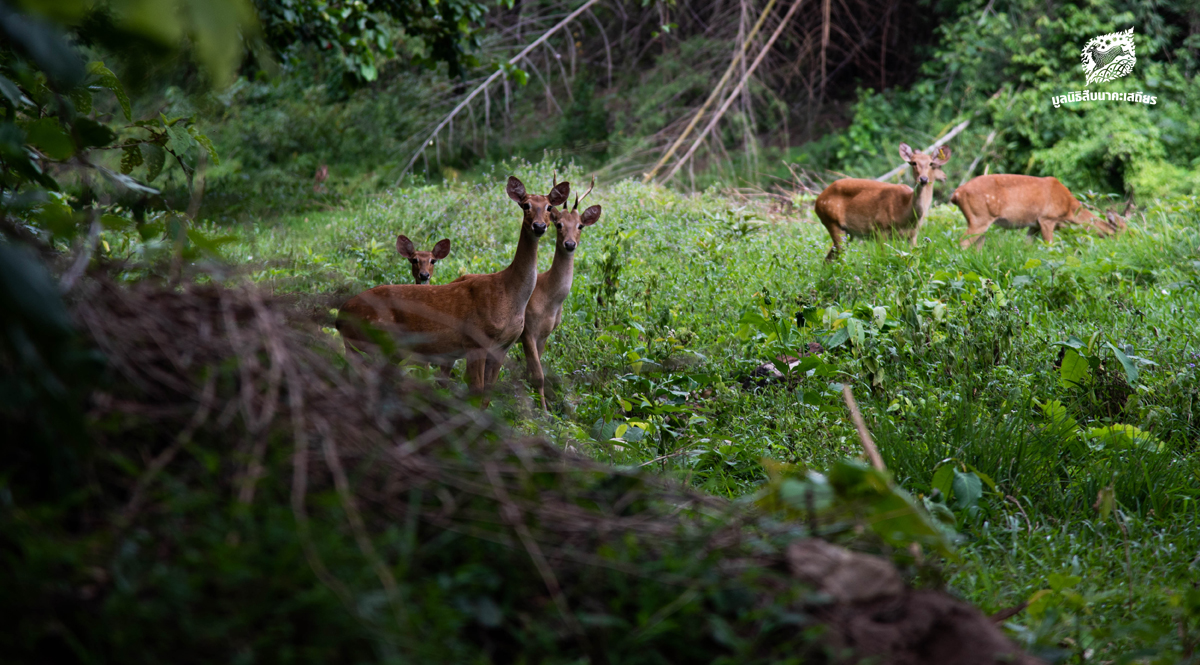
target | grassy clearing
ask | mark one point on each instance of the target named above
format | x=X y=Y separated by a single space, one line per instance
x=957 y=358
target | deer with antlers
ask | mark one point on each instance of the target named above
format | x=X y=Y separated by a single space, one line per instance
x=422 y=262
x=545 y=309
x=476 y=318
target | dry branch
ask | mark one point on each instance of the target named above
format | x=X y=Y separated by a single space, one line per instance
x=712 y=95
x=712 y=122
x=482 y=86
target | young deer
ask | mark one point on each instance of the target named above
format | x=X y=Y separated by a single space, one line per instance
x=863 y=208
x=422 y=262
x=1022 y=201
x=477 y=318
x=545 y=309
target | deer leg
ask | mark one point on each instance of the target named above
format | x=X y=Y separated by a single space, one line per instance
x=533 y=360
x=836 y=234
x=1047 y=228
x=495 y=360
x=476 y=368
x=975 y=231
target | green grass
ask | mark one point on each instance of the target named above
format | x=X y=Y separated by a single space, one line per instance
x=952 y=355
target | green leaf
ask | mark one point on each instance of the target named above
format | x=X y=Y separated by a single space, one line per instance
x=154 y=157
x=968 y=489
x=838 y=338
x=106 y=79
x=1074 y=371
x=942 y=479
x=82 y=99
x=10 y=91
x=50 y=137
x=205 y=143
x=1131 y=370
x=131 y=158
x=93 y=134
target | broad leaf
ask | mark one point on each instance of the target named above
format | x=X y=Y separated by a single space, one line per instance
x=1074 y=371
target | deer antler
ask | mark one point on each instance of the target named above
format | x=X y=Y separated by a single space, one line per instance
x=553 y=179
x=579 y=198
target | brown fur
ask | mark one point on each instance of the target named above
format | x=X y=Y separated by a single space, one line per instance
x=864 y=208
x=545 y=308
x=476 y=318
x=1021 y=201
x=422 y=262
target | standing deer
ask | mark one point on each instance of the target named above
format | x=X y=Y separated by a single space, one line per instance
x=545 y=309
x=1022 y=201
x=422 y=262
x=863 y=208
x=477 y=318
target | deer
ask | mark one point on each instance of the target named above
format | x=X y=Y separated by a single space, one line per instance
x=476 y=319
x=1022 y=201
x=422 y=262
x=863 y=208
x=544 y=312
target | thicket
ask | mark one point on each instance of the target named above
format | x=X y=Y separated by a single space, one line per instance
x=615 y=91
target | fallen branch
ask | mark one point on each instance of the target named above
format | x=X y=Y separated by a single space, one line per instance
x=712 y=122
x=482 y=86
x=712 y=96
x=937 y=144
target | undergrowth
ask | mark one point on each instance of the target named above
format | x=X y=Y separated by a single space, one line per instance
x=1044 y=396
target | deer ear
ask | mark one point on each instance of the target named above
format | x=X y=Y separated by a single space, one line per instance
x=558 y=195
x=590 y=216
x=442 y=249
x=405 y=247
x=516 y=189
x=906 y=152
x=941 y=157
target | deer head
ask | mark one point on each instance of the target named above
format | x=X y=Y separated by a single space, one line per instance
x=925 y=167
x=537 y=208
x=569 y=223
x=422 y=262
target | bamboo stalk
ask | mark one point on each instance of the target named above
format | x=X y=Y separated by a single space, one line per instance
x=495 y=75
x=712 y=96
x=712 y=122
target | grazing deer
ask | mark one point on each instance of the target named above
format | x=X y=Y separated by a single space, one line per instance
x=1022 y=201
x=422 y=262
x=545 y=309
x=863 y=208
x=477 y=318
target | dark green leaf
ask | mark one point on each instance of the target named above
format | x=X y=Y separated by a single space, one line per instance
x=154 y=157
x=11 y=92
x=106 y=79
x=1131 y=370
x=205 y=143
x=131 y=158
x=93 y=134
x=50 y=137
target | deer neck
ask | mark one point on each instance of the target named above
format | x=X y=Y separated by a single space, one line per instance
x=521 y=274
x=560 y=274
x=922 y=198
